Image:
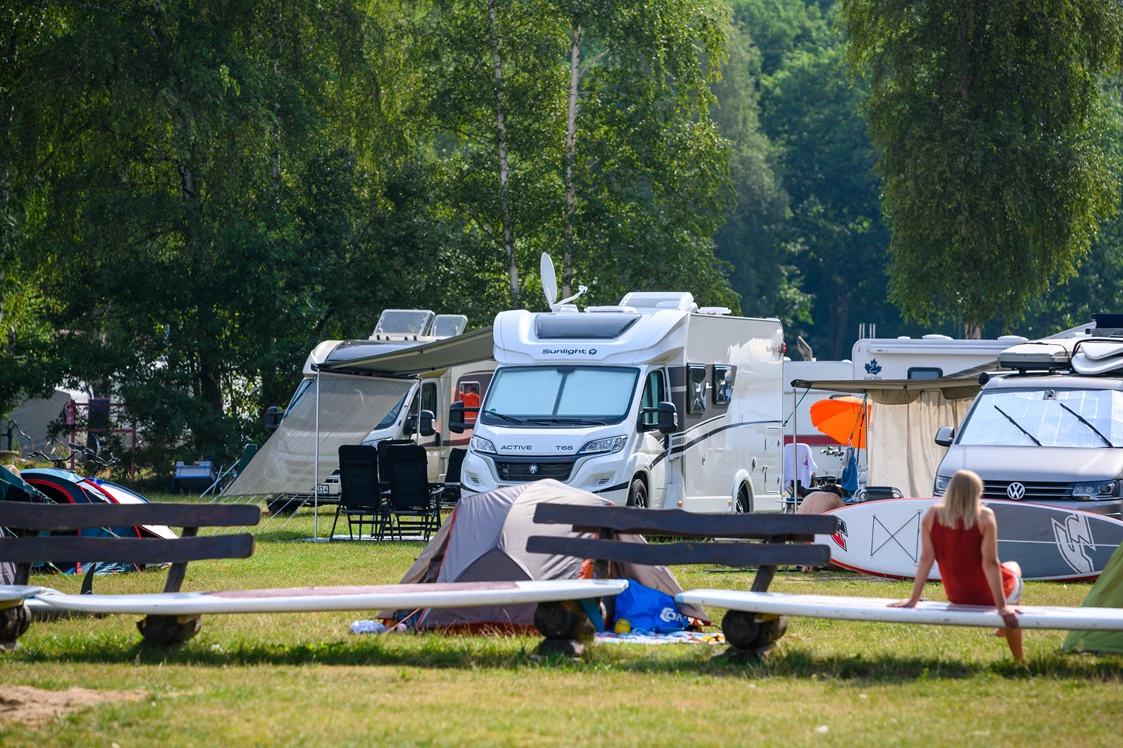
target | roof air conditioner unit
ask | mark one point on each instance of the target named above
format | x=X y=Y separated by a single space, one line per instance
x=1038 y=356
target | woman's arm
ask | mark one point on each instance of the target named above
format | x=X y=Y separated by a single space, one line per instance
x=992 y=567
x=924 y=565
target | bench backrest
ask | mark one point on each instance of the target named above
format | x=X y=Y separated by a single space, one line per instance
x=788 y=538
x=29 y=549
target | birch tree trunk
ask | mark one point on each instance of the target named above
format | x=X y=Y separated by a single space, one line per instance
x=571 y=152
x=501 y=148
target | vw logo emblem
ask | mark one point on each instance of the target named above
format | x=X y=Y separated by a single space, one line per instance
x=533 y=469
x=1016 y=491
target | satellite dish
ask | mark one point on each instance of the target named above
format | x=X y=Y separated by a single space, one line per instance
x=549 y=280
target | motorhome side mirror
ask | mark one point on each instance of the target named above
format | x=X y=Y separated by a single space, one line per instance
x=667 y=417
x=456 y=422
x=427 y=418
x=945 y=436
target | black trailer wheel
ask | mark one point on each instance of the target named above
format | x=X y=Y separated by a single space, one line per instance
x=637 y=494
x=746 y=631
x=284 y=505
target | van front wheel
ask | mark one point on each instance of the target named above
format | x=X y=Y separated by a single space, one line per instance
x=637 y=494
x=744 y=503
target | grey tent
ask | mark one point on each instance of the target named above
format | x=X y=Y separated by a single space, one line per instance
x=484 y=540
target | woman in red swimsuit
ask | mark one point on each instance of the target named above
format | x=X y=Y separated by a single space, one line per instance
x=962 y=537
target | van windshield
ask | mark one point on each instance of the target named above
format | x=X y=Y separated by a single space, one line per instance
x=1087 y=419
x=559 y=395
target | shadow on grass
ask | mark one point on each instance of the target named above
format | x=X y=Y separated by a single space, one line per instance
x=509 y=653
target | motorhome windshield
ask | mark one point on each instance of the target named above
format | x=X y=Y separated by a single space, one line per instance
x=559 y=395
x=1086 y=419
x=392 y=416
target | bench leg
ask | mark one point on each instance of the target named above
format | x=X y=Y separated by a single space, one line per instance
x=752 y=634
x=565 y=627
x=14 y=620
x=167 y=631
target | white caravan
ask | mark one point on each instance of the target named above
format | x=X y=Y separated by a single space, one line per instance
x=929 y=357
x=828 y=452
x=431 y=394
x=654 y=402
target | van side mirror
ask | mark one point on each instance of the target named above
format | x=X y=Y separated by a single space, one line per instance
x=426 y=419
x=666 y=418
x=456 y=422
x=945 y=436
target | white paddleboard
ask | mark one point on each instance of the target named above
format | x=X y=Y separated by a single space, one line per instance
x=315 y=599
x=878 y=610
x=10 y=593
x=883 y=538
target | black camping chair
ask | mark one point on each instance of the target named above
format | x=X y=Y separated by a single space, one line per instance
x=451 y=493
x=414 y=501
x=878 y=493
x=385 y=466
x=359 y=493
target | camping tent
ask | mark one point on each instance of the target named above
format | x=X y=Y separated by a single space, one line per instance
x=484 y=540
x=1106 y=593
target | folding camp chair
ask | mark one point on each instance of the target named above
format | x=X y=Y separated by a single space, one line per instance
x=414 y=501
x=451 y=493
x=359 y=493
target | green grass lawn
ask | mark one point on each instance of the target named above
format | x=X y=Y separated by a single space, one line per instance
x=303 y=679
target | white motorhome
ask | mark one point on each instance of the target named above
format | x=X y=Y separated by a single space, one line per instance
x=431 y=395
x=653 y=402
x=928 y=357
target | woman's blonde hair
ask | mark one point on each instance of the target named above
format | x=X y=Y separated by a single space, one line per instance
x=961 y=502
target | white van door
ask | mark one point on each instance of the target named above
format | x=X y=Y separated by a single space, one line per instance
x=652 y=443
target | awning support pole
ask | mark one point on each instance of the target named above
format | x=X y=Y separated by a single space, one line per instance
x=316 y=470
x=795 y=450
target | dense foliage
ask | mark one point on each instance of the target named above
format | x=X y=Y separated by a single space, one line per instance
x=193 y=193
x=994 y=128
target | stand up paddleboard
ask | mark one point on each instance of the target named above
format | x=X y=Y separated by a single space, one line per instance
x=316 y=599
x=877 y=610
x=883 y=538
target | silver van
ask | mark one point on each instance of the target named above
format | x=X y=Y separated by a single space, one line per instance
x=1052 y=439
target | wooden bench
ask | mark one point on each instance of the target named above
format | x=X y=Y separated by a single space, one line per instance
x=786 y=540
x=26 y=550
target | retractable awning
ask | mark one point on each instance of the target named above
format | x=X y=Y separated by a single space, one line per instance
x=462 y=349
x=349 y=407
x=895 y=391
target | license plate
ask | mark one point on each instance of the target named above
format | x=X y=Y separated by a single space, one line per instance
x=323 y=489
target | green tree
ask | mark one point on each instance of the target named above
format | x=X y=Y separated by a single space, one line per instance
x=991 y=120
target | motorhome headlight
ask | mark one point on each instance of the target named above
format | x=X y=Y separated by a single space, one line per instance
x=611 y=445
x=942 y=482
x=482 y=446
x=1094 y=491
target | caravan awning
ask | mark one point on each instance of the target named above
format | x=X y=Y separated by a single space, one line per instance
x=442 y=354
x=350 y=407
x=896 y=391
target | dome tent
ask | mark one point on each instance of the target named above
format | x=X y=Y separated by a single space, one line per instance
x=484 y=540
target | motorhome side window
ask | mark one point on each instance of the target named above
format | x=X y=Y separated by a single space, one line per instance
x=925 y=372
x=697 y=379
x=723 y=385
x=428 y=399
x=654 y=392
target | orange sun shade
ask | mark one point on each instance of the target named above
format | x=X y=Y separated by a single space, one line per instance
x=843 y=419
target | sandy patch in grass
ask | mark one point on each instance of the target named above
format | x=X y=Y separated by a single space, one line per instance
x=38 y=706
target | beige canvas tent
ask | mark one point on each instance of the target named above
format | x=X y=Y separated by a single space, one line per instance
x=484 y=540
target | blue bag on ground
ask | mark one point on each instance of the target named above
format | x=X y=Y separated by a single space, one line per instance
x=647 y=609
